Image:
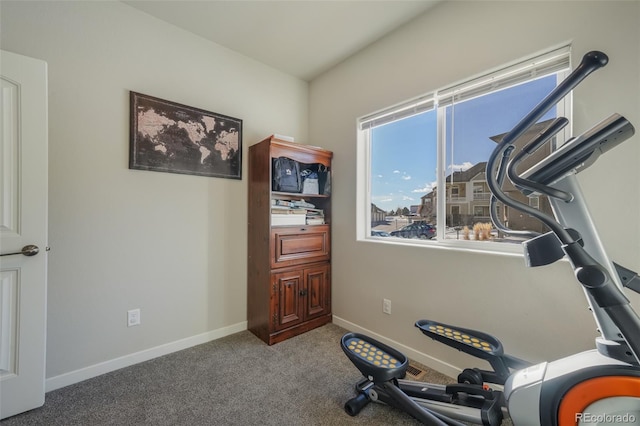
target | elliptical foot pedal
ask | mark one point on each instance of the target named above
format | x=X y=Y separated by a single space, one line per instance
x=473 y=342
x=374 y=359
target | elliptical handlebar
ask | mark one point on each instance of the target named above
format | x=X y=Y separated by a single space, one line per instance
x=510 y=167
x=493 y=201
x=591 y=62
x=545 y=136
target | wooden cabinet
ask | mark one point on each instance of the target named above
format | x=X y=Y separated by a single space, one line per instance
x=289 y=267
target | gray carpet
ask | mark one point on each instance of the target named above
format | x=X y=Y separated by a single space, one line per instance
x=236 y=380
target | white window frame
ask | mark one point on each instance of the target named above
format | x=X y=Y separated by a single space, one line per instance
x=555 y=60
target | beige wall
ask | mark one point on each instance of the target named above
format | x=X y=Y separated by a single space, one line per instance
x=172 y=245
x=538 y=313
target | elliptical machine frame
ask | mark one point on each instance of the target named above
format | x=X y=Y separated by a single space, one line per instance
x=603 y=382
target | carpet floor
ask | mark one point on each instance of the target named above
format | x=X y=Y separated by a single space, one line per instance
x=236 y=380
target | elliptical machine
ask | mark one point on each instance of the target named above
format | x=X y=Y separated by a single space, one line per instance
x=600 y=386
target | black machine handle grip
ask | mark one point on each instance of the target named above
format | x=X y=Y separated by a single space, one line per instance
x=591 y=62
x=546 y=135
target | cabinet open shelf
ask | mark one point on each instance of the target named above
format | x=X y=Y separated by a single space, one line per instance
x=296 y=195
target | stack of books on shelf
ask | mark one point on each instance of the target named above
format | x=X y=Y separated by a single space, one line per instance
x=315 y=217
x=285 y=212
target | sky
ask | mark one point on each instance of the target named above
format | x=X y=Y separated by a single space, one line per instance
x=403 y=154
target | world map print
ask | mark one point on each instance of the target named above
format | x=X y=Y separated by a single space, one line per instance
x=175 y=138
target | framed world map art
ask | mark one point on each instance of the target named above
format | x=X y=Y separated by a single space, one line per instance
x=174 y=138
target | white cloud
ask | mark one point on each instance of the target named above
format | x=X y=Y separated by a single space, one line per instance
x=404 y=176
x=460 y=167
x=428 y=187
x=382 y=198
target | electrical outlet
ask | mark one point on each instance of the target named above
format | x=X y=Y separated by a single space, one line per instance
x=133 y=317
x=386 y=306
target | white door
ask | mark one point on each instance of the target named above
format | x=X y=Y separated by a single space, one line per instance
x=23 y=223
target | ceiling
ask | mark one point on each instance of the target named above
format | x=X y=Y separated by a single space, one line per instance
x=302 y=38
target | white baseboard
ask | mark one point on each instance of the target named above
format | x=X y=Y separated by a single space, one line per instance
x=411 y=353
x=77 y=376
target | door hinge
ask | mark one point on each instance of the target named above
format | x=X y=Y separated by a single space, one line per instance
x=275 y=319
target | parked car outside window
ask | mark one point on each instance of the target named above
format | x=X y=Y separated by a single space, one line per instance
x=416 y=230
x=377 y=233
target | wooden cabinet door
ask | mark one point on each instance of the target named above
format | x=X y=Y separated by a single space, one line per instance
x=317 y=291
x=287 y=310
x=300 y=295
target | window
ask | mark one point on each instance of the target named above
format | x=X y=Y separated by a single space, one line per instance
x=534 y=201
x=438 y=144
x=481 y=211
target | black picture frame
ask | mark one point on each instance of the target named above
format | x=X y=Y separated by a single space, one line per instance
x=170 y=137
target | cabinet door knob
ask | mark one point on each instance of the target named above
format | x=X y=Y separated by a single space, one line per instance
x=303 y=292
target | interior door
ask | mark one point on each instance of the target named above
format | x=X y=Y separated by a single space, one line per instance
x=23 y=229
